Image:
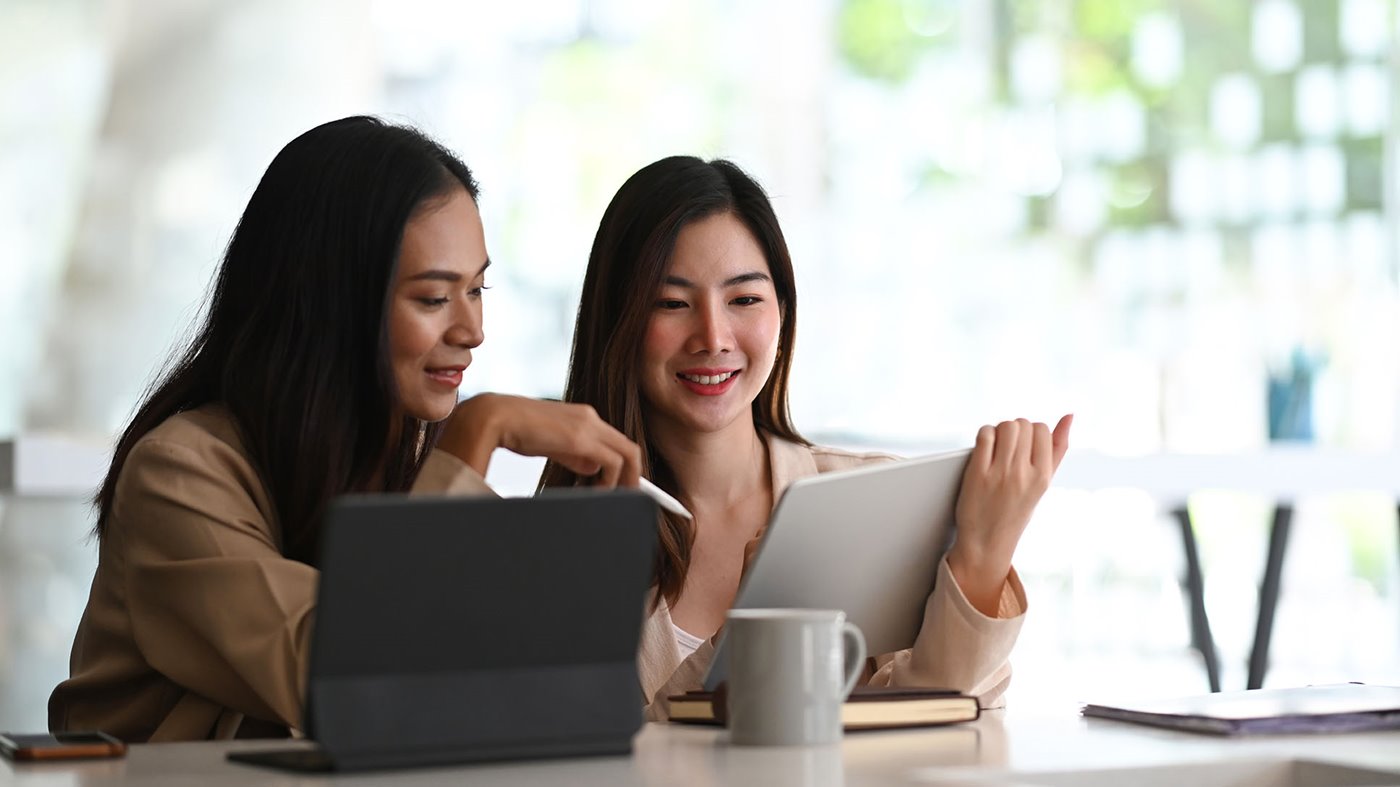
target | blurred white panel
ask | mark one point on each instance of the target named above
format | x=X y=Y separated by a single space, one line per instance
x=1036 y=68
x=1080 y=202
x=1364 y=235
x=1157 y=49
x=1322 y=254
x=1027 y=162
x=1236 y=110
x=1210 y=399
x=1276 y=175
x=1203 y=257
x=1078 y=129
x=1317 y=102
x=1115 y=265
x=1324 y=179
x=1194 y=188
x=1367 y=99
x=1123 y=415
x=1122 y=129
x=1277 y=35
x=1237 y=188
x=1364 y=27
x=1161 y=266
x=1274 y=256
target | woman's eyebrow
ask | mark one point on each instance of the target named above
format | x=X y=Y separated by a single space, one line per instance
x=677 y=281
x=744 y=278
x=436 y=274
x=440 y=274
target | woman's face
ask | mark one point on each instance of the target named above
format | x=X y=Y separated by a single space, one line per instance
x=435 y=306
x=713 y=334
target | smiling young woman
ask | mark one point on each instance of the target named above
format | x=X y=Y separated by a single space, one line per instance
x=684 y=342
x=343 y=317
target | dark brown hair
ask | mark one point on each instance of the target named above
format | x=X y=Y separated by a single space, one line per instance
x=630 y=257
x=294 y=342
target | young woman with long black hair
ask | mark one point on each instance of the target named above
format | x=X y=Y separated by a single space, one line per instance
x=343 y=316
x=684 y=341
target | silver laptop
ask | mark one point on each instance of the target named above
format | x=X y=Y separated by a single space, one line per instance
x=867 y=541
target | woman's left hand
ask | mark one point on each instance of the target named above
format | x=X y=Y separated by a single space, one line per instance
x=1010 y=468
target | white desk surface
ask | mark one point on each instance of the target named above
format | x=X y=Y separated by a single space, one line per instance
x=1283 y=472
x=996 y=750
x=60 y=465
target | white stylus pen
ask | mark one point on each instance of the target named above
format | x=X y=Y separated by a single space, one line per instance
x=667 y=502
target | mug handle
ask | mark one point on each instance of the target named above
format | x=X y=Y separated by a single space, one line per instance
x=855 y=656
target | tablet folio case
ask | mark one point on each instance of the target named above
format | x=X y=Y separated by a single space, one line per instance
x=484 y=629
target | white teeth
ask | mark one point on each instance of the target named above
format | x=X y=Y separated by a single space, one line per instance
x=709 y=379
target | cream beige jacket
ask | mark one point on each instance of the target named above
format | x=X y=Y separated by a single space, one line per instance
x=196 y=625
x=957 y=647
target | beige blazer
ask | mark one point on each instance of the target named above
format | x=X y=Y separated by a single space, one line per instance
x=196 y=625
x=957 y=646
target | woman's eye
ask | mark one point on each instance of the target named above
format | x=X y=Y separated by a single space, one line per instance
x=475 y=292
x=432 y=301
x=666 y=303
x=747 y=300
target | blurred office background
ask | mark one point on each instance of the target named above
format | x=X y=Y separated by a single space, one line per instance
x=1174 y=218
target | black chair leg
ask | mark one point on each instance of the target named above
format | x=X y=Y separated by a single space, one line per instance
x=1268 y=595
x=1194 y=582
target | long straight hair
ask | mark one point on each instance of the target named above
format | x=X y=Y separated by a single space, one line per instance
x=630 y=257
x=295 y=342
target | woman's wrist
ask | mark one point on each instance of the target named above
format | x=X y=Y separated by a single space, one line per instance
x=980 y=577
x=473 y=433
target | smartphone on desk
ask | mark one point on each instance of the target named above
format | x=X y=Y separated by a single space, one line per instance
x=59 y=746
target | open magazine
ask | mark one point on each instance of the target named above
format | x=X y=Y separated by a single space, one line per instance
x=1343 y=707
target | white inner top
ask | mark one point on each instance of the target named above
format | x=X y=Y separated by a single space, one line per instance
x=686 y=642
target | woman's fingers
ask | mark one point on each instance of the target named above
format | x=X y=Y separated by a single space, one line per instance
x=1060 y=438
x=629 y=472
x=1021 y=443
x=1025 y=442
x=573 y=435
x=1042 y=454
x=1010 y=469
x=580 y=465
x=1006 y=444
x=618 y=460
x=984 y=448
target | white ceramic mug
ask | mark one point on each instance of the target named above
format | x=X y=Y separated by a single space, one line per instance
x=789 y=673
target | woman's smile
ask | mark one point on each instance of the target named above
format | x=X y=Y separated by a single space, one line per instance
x=708 y=382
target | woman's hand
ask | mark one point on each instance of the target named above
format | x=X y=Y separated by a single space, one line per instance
x=571 y=434
x=1010 y=468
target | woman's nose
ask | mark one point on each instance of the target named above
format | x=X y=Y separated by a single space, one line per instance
x=466 y=330
x=713 y=333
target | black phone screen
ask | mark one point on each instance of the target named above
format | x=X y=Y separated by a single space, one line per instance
x=49 y=740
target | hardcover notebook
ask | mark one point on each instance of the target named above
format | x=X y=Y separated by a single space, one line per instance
x=868 y=708
x=1343 y=707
